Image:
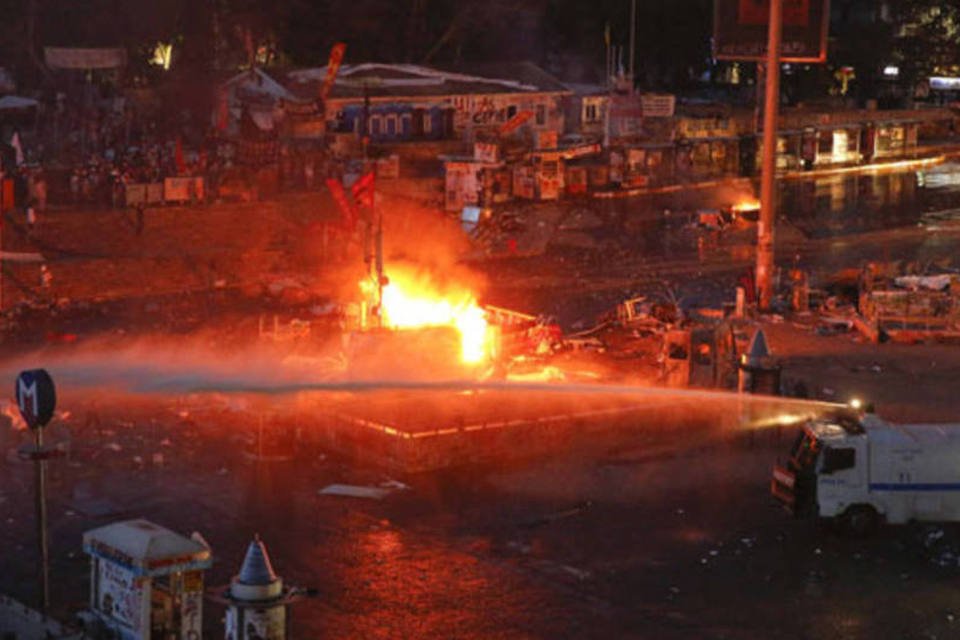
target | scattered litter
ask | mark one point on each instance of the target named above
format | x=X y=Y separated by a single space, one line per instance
x=714 y=552
x=354 y=491
x=95 y=507
x=157 y=459
x=394 y=484
x=949 y=617
x=138 y=460
x=680 y=512
x=827 y=391
x=519 y=547
x=222 y=471
x=165 y=442
x=876 y=368
x=70 y=513
x=931 y=283
x=832 y=325
x=579 y=574
x=113 y=446
x=559 y=515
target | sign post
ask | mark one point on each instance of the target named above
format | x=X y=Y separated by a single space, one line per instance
x=770 y=32
x=768 y=193
x=37 y=399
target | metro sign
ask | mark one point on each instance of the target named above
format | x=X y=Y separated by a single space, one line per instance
x=36 y=397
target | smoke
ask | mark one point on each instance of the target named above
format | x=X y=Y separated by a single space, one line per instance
x=416 y=238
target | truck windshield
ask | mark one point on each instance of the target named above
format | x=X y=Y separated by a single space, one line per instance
x=805 y=450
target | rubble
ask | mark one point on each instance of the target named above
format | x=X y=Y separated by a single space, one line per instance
x=354 y=491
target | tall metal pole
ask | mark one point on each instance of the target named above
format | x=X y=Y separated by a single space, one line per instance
x=768 y=193
x=633 y=38
x=40 y=472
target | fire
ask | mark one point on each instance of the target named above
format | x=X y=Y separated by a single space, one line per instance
x=747 y=204
x=410 y=302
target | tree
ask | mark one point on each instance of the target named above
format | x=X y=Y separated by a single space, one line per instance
x=927 y=41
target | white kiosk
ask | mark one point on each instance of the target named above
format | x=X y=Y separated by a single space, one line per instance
x=146 y=582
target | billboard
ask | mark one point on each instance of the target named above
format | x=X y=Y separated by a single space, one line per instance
x=740 y=30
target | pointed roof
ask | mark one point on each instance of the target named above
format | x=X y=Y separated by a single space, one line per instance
x=257 y=569
x=758 y=349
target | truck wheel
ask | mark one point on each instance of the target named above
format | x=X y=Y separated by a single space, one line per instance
x=860 y=520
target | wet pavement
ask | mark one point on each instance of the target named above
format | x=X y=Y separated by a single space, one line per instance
x=649 y=540
x=616 y=249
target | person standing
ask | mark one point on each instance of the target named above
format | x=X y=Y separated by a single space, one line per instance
x=46 y=278
x=40 y=188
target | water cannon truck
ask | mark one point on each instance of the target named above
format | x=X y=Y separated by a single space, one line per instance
x=860 y=471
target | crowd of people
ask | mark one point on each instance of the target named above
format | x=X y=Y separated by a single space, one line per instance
x=89 y=155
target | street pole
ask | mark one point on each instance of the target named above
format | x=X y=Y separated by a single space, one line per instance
x=768 y=194
x=40 y=474
x=633 y=39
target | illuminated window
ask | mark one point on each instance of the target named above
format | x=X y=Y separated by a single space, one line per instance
x=841 y=142
x=590 y=112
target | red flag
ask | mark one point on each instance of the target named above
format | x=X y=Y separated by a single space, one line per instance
x=349 y=219
x=515 y=122
x=333 y=66
x=178 y=157
x=223 y=110
x=362 y=190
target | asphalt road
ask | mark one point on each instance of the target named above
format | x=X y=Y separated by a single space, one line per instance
x=658 y=538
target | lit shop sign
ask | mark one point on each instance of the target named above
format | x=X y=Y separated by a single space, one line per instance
x=940 y=83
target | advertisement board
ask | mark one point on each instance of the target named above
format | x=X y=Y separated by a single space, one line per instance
x=740 y=30
x=183 y=189
x=121 y=594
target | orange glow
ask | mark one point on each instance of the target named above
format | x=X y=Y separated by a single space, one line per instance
x=748 y=204
x=411 y=301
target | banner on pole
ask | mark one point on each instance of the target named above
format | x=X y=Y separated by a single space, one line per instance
x=349 y=217
x=333 y=66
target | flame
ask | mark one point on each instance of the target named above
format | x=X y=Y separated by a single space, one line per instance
x=410 y=302
x=747 y=204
